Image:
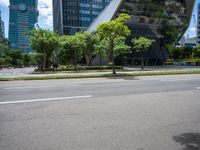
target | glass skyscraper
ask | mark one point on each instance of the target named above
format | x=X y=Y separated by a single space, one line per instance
x=2 y=27
x=71 y=16
x=23 y=16
x=198 y=26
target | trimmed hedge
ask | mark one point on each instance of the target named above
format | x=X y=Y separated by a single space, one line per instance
x=190 y=61
x=72 y=68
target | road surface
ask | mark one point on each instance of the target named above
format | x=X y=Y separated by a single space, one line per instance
x=141 y=113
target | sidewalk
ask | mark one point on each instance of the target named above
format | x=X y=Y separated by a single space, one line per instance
x=29 y=72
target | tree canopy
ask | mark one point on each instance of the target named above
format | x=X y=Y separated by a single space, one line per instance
x=141 y=45
x=111 y=30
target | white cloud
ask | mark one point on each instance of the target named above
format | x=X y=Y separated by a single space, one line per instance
x=4 y=2
x=45 y=11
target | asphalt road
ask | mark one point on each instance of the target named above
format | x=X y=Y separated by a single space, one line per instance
x=143 y=113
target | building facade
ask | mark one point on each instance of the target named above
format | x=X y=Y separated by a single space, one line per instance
x=71 y=16
x=198 y=25
x=2 y=27
x=187 y=41
x=23 y=17
x=164 y=21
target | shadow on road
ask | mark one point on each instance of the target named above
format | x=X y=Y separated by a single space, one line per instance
x=190 y=141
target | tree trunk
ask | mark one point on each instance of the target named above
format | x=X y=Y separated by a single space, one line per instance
x=112 y=56
x=122 y=63
x=142 y=62
x=75 y=59
x=44 y=63
x=90 y=61
x=100 y=59
x=113 y=64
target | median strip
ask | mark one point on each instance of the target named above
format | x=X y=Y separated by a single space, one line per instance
x=100 y=75
x=45 y=99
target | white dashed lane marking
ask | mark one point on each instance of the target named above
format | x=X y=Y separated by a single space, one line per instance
x=44 y=99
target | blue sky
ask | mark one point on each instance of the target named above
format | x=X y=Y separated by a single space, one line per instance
x=46 y=21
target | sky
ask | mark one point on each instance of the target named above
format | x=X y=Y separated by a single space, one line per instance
x=45 y=19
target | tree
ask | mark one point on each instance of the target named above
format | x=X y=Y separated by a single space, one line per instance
x=15 y=57
x=187 y=51
x=66 y=54
x=100 y=50
x=26 y=60
x=111 y=30
x=176 y=53
x=141 y=45
x=91 y=39
x=4 y=47
x=73 y=46
x=197 y=52
x=121 y=48
x=44 y=42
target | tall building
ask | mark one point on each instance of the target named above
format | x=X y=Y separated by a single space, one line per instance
x=2 y=27
x=198 y=25
x=154 y=19
x=71 y=16
x=23 y=16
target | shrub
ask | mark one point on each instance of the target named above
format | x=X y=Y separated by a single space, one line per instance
x=71 y=68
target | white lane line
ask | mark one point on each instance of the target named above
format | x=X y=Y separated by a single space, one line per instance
x=35 y=87
x=198 y=88
x=45 y=99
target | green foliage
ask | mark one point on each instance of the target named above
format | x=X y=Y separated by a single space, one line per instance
x=141 y=44
x=197 y=52
x=175 y=53
x=185 y=52
x=44 y=42
x=71 y=68
x=72 y=48
x=111 y=30
x=4 y=47
x=120 y=46
x=171 y=34
x=91 y=40
x=16 y=57
x=100 y=49
x=66 y=54
x=152 y=9
x=115 y=28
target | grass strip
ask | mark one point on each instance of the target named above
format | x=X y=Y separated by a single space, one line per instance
x=71 y=76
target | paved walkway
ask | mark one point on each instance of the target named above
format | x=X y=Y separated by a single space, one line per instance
x=17 y=72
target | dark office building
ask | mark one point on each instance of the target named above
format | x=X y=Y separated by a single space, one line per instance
x=198 y=25
x=23 y=17
x=71 y=16
x=164 y=21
